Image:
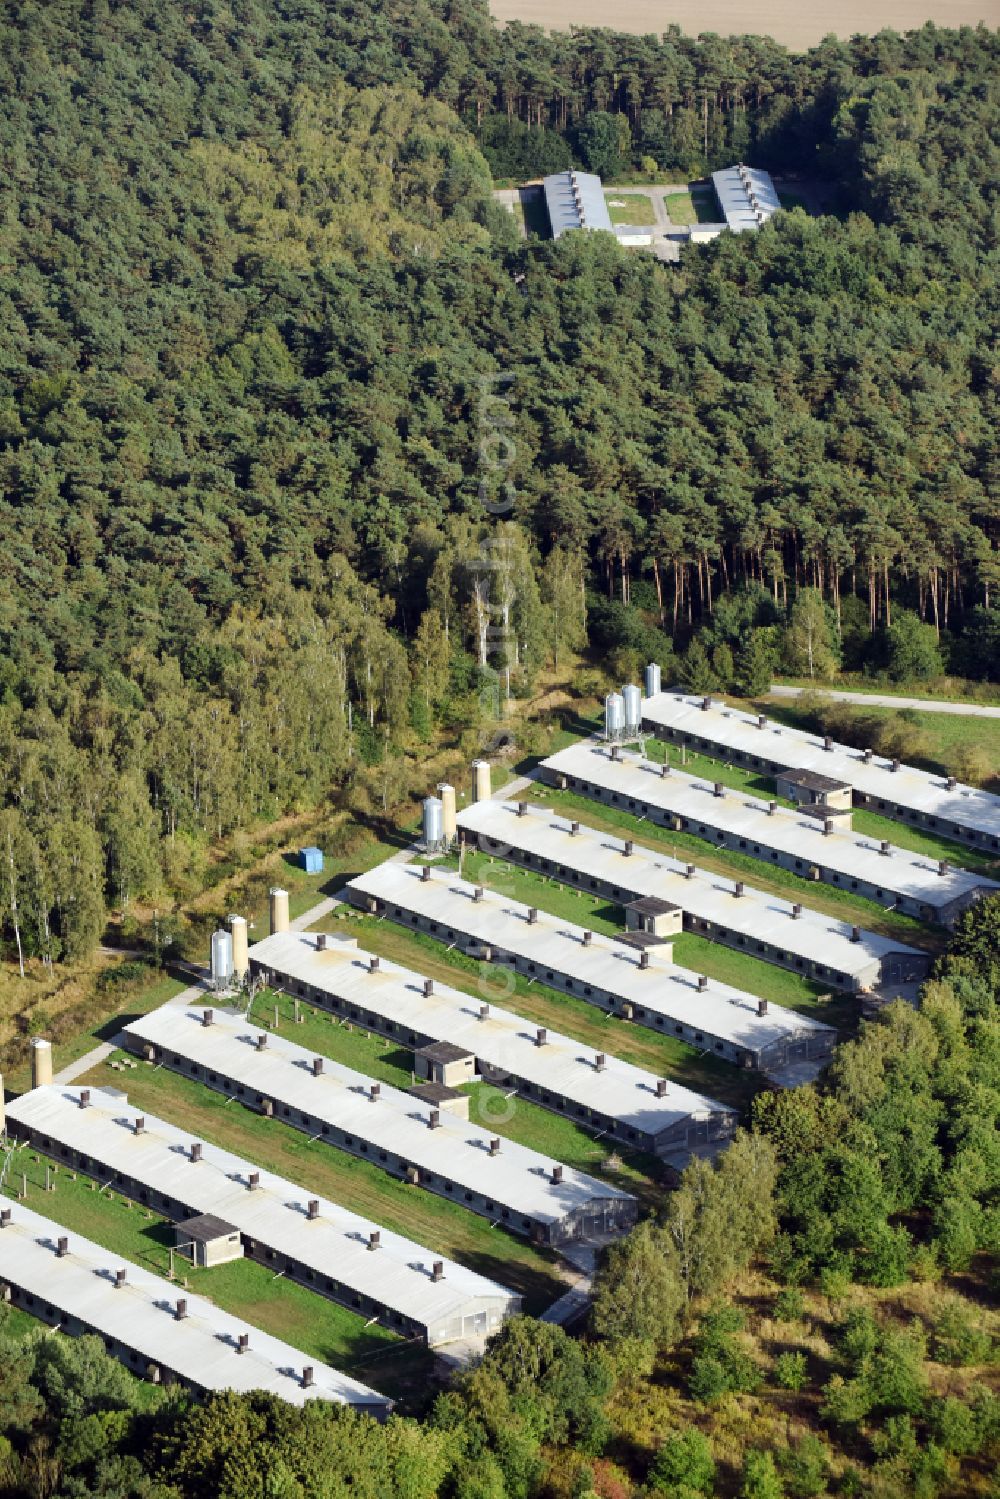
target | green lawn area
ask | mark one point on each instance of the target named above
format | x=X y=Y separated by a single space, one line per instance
x=538 y=1128
x=818 y=895
x=15 y=1323
x=696 y=206
x=306 y=890
x=874 y=825
x=726 y=964
x=548 y=893
x=357 y=1184
x=664 y=1055
x=329 y=1036
x=945 y=732
x=871 y=823
x=308 y=1321
x=693 y=763
x=629 y=208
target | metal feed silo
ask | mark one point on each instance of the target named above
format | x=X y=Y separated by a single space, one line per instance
x=652 y=681
x=222 y=959
x=481 y=781
x=614 y=716
x=449 y=827
x=433 y=822
x=632 y=700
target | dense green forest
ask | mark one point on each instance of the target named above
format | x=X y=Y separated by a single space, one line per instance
x=307 y=460
x=267 y=346
x=808 y=1316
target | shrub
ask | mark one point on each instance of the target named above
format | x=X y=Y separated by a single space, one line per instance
x=953 y=1426
x=760 y=1477
x=720 y=1363
x=972 y=765
x=791 y=1371
x=956 y=1338
x=684 y=1462
x=789 y=1304
x=804 y=1467
x=846 y=1402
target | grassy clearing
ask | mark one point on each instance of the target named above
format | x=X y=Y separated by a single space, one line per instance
x=680 y=208
x=307 y=890
x=815 y=894
x=876 y=826
x=696 y=206
x=317 y=1326
x=356 y=1184
x=692 y=763
x=629 y=208
x=548 y=893
x=538 y=1128
x=944 y=733
x=15 y=1323
x=663 y=1055
x=755 y=784
x=329 y=1036
x=726 y=964
x=563 y=1141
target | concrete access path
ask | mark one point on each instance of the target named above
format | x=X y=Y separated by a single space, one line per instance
x=887 y=700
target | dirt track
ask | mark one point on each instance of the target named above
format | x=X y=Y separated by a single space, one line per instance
x=798 y=26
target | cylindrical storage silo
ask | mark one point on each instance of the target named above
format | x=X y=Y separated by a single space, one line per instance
x=41 y=1061
x=614 y=716
x=482 y=790
x=449 y=826
x=241 y=957
x=652 y=682
x=222 y=959
x=433 y=833
x=632 y=700
x=278 y=900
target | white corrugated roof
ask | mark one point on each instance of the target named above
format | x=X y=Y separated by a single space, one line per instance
x=743 y=191
x=457 y=1150
x=575 y=200
x=200 y=1348
x=398 y=1274
x=505 y=1041
x=710 y=897
x=613 y=966
x=921 y=790
x=789 y=830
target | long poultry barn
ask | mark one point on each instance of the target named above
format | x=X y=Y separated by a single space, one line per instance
x=632 y=976
x=920 y=798
x=600 y=1092
x=408 y=1136
x=78 y=1287
x=816 y=842
x=410 y=1289
x=730 y=911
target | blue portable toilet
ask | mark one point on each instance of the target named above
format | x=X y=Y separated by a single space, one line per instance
x=311 y=860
